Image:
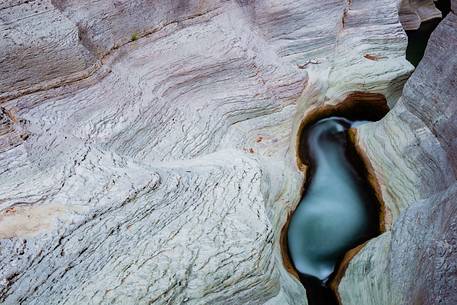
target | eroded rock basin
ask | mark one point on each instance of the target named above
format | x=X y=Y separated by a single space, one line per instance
x=337 y=212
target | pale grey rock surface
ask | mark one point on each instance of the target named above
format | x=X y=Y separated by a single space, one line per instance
x=414 y=12
x=161 y=170
x=412 y=151
x=39 y=44
x=165 y=176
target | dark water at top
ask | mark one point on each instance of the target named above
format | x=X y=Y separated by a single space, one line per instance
x=337 y=211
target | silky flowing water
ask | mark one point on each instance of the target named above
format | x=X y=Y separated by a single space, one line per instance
x=338 y=210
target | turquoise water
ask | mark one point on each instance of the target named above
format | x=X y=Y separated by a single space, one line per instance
x=337 y=211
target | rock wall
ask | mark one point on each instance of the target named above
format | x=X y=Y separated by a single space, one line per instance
x=38 y=45
x=414 y=12
x=148 y=148
x=412 y=151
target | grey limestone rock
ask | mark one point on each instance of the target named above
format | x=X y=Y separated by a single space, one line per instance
x=148 y=148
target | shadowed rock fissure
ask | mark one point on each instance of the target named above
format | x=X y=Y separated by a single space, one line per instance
x=418 y=39
x=339 y=209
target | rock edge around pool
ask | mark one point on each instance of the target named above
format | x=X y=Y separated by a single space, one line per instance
x=148 y=156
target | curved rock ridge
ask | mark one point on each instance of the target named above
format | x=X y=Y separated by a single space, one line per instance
x=147 y=148
x=38 y=44
x=414 y=12
x=412 y=151
x=154 y=181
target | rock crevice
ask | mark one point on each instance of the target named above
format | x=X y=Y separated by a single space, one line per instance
x=162 y=170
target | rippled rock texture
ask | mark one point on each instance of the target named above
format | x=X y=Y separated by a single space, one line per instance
x=414 y=12
x=147 y=148
x=412 y=151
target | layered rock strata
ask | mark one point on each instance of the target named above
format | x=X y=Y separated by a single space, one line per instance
x=412 y=152
x=148 y=148
x=414 y=12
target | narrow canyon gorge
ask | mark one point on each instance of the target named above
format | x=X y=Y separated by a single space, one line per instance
x=285 y=152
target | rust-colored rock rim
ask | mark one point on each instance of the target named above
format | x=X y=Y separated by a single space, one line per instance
x=357 y=105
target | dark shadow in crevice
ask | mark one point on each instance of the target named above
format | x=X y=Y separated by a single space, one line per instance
x=318 y=293
x=418 y=39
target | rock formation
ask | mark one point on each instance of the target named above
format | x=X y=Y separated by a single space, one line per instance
x=412 y=152
x=148 y=148
x=414 y=12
